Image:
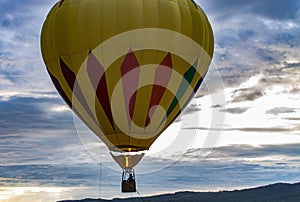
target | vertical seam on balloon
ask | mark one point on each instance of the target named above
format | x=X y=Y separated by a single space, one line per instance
x=117 y=22
x=52 y=31
x=188 y=5
x=143 y=15
x=79 y=28
x=207 y=33
x=66 y=36
x=210 y=36
x=158 y=9
x=204 y=28
x=143 y=26
x=86 y=53
x=180 y=14
x=100 y=21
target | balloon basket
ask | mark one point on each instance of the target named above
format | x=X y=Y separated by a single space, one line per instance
x=128 y=181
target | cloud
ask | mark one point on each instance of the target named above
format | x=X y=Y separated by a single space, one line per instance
x=273 y=129
x=235 y=110
x=229 y=167
x=24 y=77
x=32 y=128
x=249 y=129
x=54 y=175
x=253 y=37
x=21 y=113
x=5 y=81
x=247 y=95
x=293 y=119
x=20 y=26
x=281 y=110
x=216 y=106
x=274 y=9
x=192 y=109
x=239 y=152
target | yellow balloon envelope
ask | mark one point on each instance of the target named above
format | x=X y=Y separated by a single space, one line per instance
x=127 y=68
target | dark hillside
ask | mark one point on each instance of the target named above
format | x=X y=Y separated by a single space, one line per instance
x=274 y=193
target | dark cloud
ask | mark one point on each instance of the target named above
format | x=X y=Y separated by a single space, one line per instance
x=286 y=38
x=268 y=81
x=273 y=129
x=268 y=55
x=216 y=106
x=281 y=110
x=248 y=129
x=246 y=34
x=247 y=95
x=21 y=113
x=229 y=38
x=236 y=110
x=192 y=109
x=238 y=152
x=294 y=91
x=292 y=119
x=56 y=175
x=292 y=65
x=42 y=146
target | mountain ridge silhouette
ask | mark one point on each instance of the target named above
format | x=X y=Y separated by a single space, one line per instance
x=279 y=192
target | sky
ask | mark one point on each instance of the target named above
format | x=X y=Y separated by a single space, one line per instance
x=252 y=113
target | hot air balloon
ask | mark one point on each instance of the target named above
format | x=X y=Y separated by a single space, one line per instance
x=127 y=68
